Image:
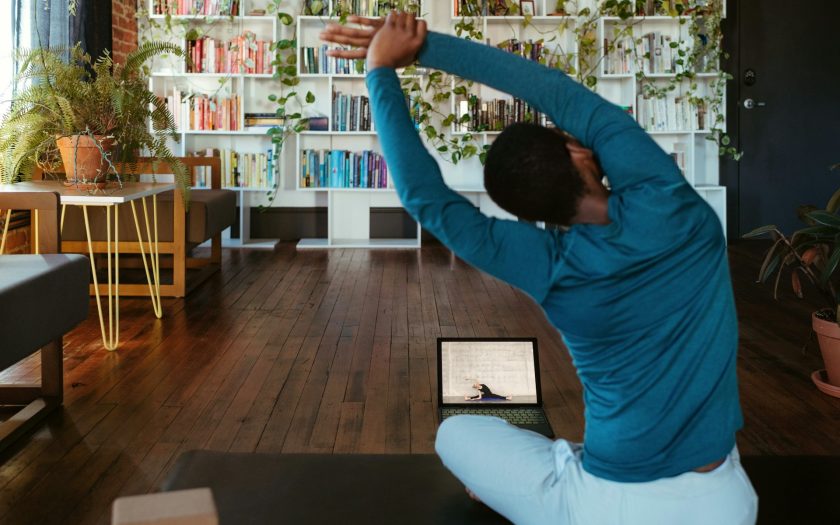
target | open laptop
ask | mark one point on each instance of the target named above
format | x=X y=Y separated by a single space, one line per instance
x=493 y=377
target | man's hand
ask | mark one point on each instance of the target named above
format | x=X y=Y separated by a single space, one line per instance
x=393 y=42
x=359 y=37
x=397 y=42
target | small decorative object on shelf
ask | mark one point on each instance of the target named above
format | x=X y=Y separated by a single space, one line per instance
x=527 y=8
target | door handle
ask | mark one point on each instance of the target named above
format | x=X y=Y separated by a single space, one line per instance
x=752 y=104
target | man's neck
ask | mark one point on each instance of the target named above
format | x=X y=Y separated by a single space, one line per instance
x=593 y=207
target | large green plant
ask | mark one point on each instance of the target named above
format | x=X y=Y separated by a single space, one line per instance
x=811 y=253
x=61 y=98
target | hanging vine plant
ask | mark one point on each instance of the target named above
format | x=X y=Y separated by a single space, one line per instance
x=702 y=18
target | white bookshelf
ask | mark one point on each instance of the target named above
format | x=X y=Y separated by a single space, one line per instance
x=349 y=209
x=253 y=88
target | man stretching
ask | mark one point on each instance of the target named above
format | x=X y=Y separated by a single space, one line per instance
x=638 y=285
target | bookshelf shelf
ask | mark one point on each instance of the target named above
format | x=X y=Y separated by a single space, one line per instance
x=170 y=76
x=217 y=18
x=348 y=209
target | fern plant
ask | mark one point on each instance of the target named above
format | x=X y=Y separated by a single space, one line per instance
x=100 y=99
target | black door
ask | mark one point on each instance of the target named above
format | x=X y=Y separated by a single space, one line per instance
x=784 y=109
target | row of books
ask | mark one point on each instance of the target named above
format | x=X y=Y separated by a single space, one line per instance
x=350 y=112
x=239 y=170
x=672 y=113
x=314 y=60
x=486 y=8
x=653 y=52
x=495 y=115
x=665 y=7
x=199 y=112
x=243 y=54
x=197 y=7
x=536 y=51
x=369 y=7
x=342 y=169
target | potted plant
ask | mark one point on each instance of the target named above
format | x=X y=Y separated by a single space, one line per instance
x=93 y=116
x=812 y=254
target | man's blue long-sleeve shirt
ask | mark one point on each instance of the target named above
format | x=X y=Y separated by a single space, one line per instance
x=644 y=303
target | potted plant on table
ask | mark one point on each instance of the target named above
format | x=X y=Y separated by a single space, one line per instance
x=812 y=254
x=92 y=116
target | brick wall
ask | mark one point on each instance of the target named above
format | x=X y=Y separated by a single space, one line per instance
x=124 y=28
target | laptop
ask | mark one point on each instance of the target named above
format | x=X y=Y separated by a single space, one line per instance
x=491 y=377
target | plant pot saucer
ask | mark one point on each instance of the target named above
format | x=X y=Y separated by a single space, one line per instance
x=820 y=378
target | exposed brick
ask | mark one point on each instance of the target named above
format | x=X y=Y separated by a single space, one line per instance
x=124 y=26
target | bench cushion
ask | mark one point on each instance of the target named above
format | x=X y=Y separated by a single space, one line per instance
x=42 y=297
x=301 y=488
x=211 y=212
x=317 y=489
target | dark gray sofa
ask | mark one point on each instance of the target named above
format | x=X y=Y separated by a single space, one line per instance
x=41 y=298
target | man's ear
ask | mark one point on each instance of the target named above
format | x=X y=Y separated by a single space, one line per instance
x=574 y=147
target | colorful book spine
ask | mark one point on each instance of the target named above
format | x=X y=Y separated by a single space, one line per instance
x=314 y=61
x=243 y=54
x=475 y=114
x=200 y=112
x=240 y=170
x=342 y=169
x=351 y=113
x=197 y=7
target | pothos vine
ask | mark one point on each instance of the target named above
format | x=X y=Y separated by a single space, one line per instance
x=703 y=55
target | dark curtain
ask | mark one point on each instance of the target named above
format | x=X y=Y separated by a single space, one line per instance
x=51 y=25
x=92 y=26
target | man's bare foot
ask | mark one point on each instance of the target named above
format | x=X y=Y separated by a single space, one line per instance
x=472 y=495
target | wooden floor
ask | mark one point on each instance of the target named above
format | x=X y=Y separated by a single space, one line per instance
x=333 y=352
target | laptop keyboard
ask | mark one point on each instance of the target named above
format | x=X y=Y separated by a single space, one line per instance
x=515 y=416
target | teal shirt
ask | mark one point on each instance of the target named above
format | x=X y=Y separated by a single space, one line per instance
x=644 y=304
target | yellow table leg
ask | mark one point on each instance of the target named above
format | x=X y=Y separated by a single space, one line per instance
x=153 y=277
x=112 y=339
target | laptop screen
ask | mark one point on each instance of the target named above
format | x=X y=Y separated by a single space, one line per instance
x=488 y=371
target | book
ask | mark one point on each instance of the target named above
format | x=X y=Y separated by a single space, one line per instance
x=342 y=169
x=314 y=60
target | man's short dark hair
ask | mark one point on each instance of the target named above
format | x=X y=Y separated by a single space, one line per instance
x=530 y=174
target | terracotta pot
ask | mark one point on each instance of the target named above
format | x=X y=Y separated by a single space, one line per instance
x=83 y=161
x=828 y=335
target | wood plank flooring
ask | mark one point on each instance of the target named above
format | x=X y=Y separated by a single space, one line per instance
x=334 y=352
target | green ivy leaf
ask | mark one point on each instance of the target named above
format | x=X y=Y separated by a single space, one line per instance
x=285 y=19
x=310 y=97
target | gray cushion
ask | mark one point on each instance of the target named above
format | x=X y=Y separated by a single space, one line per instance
x=42 y=297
